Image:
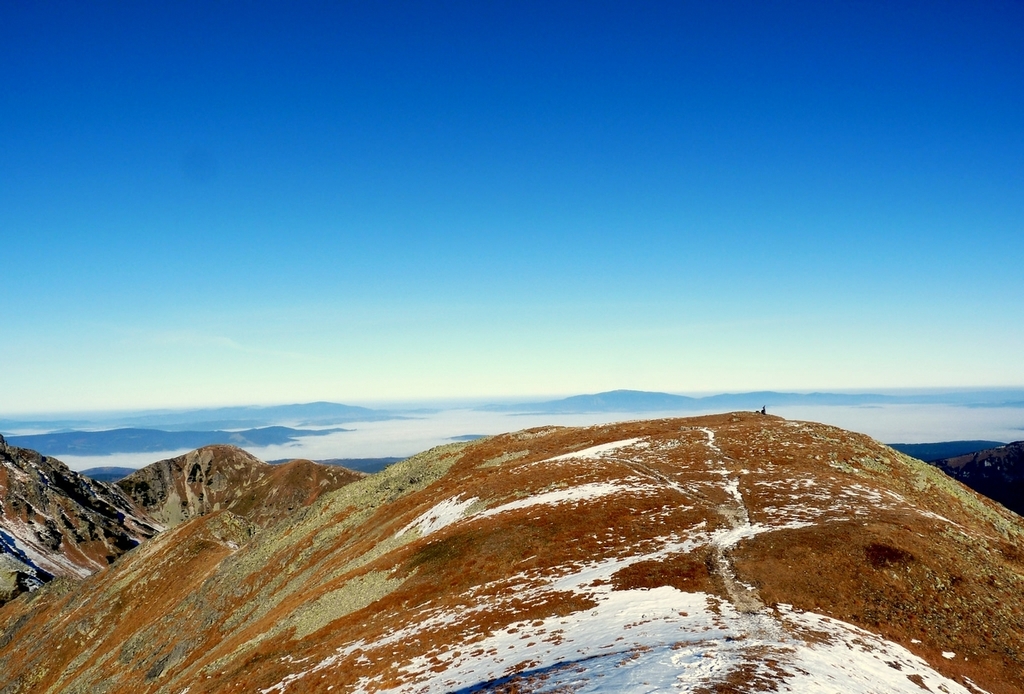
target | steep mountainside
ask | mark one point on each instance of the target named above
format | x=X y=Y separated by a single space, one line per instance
x=216 y=478
x=55 y=522
x=731 y=553
x=998 y=473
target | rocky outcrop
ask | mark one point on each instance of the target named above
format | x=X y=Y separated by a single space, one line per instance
x=55 y=522
x=226 y=478
x=725 y=553
x=998 y=473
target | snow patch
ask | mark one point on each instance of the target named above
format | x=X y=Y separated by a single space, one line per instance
x=440 y=516
x=644 y=640
x=599 y=451
x=649 y=640
x=20 y=540
x=583 y=492
x=455 y=509
x=711 y=439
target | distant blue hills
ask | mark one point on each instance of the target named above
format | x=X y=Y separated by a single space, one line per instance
x=206 y=419
x=93 y=443
x=647 y=401
x=320 y=414
x=154 y=431
x=109 y=473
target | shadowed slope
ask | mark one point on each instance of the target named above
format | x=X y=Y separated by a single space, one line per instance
x=55 y=522
x=998 y=473
x=725 y=553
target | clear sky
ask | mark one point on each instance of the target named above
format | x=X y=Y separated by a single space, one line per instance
x=240 y=203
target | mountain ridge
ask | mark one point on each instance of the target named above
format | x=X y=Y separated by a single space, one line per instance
x=653 y=401
x=731 y=552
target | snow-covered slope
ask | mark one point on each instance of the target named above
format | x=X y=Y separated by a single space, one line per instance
x=733 y=553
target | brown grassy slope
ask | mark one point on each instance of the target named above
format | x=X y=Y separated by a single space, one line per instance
x=952 y=581
x=890 y=545
x=112 y=623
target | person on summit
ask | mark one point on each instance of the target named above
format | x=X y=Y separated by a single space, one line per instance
x=763 y=410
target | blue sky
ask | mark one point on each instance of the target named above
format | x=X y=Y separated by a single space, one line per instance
x=234 y=203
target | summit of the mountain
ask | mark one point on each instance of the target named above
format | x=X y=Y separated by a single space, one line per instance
x=54 y=522
x=728 y=553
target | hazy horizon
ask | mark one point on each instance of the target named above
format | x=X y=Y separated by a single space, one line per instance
x=894 y=423
x=452 y=403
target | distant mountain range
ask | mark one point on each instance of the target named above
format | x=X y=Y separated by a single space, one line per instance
x=159 y=431
x=108 y=473
x=647 y=401
x=332 y=413
x=144 y=440
x=307 y=414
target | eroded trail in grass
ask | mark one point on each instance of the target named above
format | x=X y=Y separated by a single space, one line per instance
x=735 y=513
